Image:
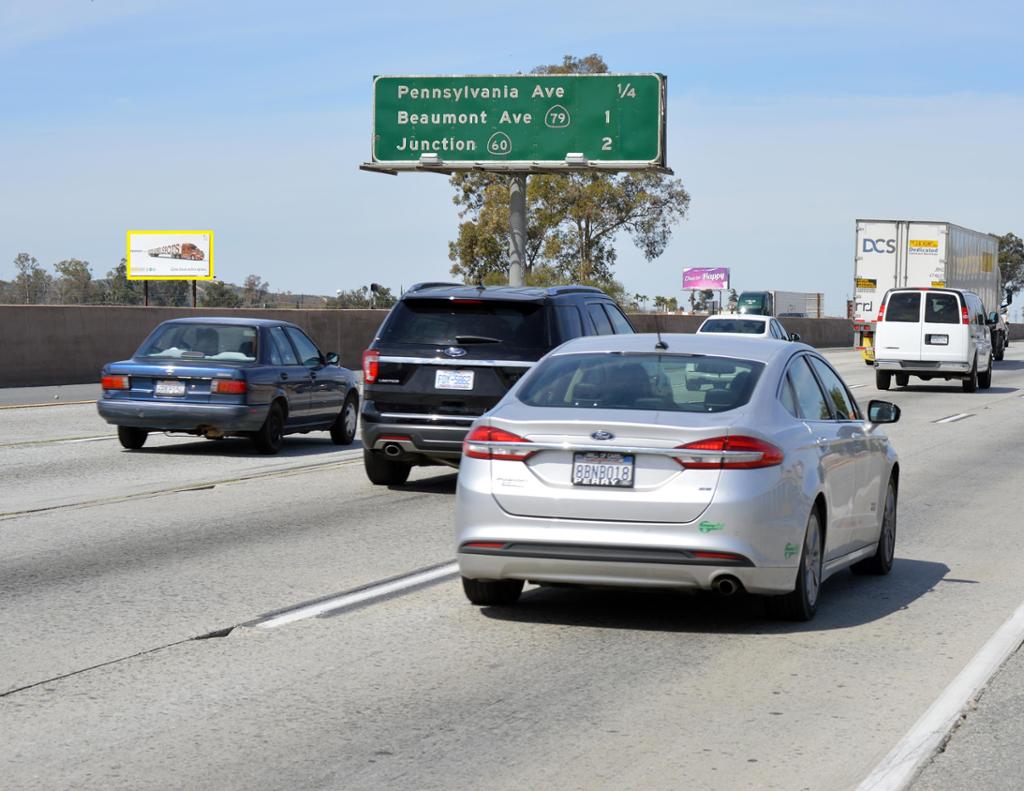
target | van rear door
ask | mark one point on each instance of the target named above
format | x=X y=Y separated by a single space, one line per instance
x=898 y=334
x=942 y=332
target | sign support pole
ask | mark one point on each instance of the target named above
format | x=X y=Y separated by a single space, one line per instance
x=517 y=226
x=193 y=293
x=145 y=293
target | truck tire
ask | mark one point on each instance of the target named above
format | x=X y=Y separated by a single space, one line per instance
x=902 y=380
x=883 y=379
x=999 y=347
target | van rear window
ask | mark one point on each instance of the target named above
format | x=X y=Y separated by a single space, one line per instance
x=904 y=306
x=941 y=308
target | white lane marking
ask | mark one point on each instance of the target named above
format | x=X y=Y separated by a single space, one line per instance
x=854 y=387
x=85 y=439
x=371 y=592
x=954 y=418
x=903 y=762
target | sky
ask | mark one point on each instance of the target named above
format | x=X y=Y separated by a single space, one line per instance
x=786 y=122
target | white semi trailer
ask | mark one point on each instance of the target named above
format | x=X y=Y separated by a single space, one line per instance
x=902 y=253
x=802 y=304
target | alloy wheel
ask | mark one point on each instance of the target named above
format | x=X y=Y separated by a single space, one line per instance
x=812 y=561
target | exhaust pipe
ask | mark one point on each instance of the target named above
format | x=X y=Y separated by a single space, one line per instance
x=392 y=449
x=726 y=586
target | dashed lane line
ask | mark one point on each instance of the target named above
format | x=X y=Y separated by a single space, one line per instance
x=47 y=403
x=361 y=596
x=56 y=441
x=954 y=418
x=351 y=457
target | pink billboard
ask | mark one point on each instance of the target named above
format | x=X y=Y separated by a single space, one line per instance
x=703 y=277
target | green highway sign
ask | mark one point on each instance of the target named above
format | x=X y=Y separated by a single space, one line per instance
x=519 y=122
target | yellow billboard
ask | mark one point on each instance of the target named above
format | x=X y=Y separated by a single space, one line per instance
x=170 y=255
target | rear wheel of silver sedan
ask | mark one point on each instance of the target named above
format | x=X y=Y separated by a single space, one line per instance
x=802 y=602
x=131 y=438
x=881 y=561
x=492 y=592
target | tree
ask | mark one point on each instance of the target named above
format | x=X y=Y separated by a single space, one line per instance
x=74 y=282
x=573 y=219
x=170 y=293
x=1011 y=262
x=734 y=300
x=364 y=297
x=254 y=291
x=219 y=294
x=32 y=283
x=118 y=289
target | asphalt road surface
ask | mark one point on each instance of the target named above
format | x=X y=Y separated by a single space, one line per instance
x=115 y=563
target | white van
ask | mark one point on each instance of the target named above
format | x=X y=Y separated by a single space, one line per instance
x=933 y=333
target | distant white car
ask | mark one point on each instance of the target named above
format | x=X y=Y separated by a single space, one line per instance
x=747 y=325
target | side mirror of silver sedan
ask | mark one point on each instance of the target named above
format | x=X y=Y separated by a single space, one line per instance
x=883 y=412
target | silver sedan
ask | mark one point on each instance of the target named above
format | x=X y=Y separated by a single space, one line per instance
x=677 y=461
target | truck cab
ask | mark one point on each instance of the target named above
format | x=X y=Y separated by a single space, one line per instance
x=755 y=303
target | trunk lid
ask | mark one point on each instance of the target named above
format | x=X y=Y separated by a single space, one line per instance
x=662 y=490
x=192 y=380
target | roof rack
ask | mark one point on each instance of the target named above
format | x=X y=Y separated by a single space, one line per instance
x=433 y=284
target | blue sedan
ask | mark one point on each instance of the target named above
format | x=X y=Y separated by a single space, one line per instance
x=218 y=377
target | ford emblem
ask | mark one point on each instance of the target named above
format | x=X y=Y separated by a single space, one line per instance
x=602 y=435
x=455 y=351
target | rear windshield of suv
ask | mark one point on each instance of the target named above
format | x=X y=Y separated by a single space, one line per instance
x=904 y=306
x=465 y=322
x=941 y=308
x=644 y=381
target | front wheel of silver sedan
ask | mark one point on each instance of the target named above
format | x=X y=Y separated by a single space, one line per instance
x=492 y=592
x=881 y=561
x=802 y=602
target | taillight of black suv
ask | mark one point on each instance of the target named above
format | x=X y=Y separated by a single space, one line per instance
x=447 y=353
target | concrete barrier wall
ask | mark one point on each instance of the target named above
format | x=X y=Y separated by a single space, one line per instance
x=68 y=344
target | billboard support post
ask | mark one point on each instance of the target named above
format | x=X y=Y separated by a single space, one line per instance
x=194 y=293
x=145 y=293
x=517 y=227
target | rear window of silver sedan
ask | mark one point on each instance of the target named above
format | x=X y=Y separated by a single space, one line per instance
x=670 y=382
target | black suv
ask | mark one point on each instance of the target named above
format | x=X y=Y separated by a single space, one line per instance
x=447 y=353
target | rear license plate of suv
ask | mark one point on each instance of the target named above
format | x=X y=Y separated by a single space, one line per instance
x=603 y=469
x=453 y=380
x=168 y=387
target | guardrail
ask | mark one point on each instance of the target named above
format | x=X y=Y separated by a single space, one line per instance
x=68 y=344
